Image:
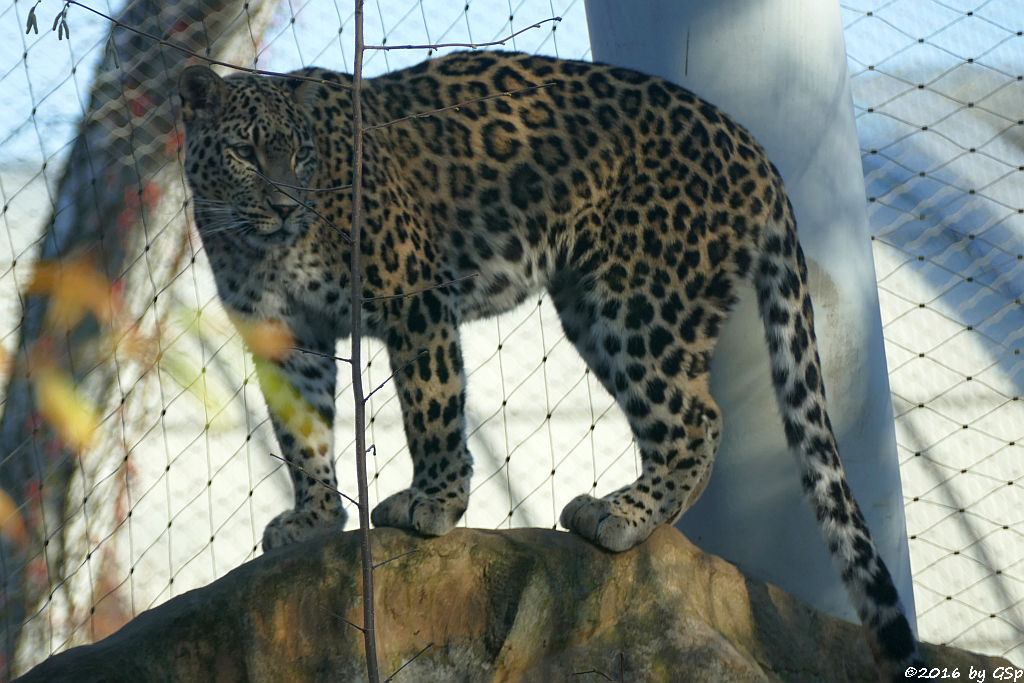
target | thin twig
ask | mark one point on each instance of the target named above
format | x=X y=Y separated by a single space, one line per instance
x=439 y=285
x=396 y=557
x=323 y=483
x=392 y=376
x=320 y=81
x=198 y=55
x=425 y=114
x=622 y=671
x=321 y=354
x=280 y=188
x=408 y=662
x=593 y=671
x=336 y=188
x=470 y=45
x=338 y=616
x=265 y=72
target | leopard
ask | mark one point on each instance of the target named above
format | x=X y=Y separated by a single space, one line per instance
x=489 y=177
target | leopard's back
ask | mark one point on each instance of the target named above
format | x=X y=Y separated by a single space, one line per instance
x=581 y=170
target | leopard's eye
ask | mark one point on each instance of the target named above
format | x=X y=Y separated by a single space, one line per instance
x=303 y=153
x=245 y=153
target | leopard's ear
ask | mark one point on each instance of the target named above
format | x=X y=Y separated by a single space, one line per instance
x=314 y=85
x=306 y=93
x=203 y=93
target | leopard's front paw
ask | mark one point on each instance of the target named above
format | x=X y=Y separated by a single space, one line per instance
x=298 y=525
x=413 y=509
x=607 y=523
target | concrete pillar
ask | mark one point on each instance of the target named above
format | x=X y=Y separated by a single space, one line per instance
x=779 y=68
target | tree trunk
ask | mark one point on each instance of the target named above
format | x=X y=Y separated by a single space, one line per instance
x=121 y=190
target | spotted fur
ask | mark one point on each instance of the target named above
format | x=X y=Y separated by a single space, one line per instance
x=637 y=206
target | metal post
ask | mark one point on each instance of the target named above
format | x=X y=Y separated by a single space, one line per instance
x=779 y=68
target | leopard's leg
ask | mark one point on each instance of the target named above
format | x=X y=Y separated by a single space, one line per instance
x=430 y=382
x=661 y=383
x=299 y=392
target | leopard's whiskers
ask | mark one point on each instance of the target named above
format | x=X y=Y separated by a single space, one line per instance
x=217 y=216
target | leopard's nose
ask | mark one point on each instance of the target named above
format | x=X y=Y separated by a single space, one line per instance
x=284 y=209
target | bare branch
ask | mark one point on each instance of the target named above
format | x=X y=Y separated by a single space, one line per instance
x=408 y=662
x=391 y=377
x=437 y=46
x=359 y=417
x=278 y=184
x=396 y=557
x=622 y=671
x=338 y=616
x=319 y=481
x=439 y=285
x=198 y=55
x=281 y=188
x=593 y=671
x=456 y=107
x=321 y=354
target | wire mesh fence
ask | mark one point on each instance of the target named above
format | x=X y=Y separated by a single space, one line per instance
x=169 y=484
x=939 y=101
x=163 y=483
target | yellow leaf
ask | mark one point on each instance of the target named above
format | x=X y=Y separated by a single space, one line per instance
x=67 y=411
x=183 y=370
x=269 y=339
x=75 y=288
x=284 y=401
x=11 y=524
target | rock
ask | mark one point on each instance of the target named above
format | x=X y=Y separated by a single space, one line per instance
x=510 y=605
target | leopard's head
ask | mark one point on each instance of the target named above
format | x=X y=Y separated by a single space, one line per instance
x=250 y=156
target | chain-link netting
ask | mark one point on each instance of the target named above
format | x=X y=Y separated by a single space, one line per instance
x=161 y=476
x=156 y=478
x=939 y=100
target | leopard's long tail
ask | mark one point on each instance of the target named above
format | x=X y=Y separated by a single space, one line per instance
x=780 y=277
